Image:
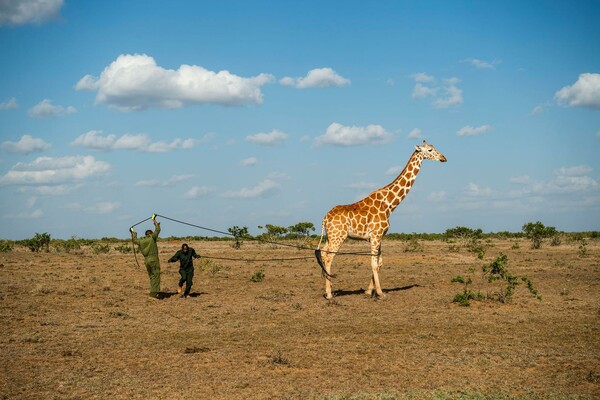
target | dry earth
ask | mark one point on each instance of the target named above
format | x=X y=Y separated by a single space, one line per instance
x=80 y=326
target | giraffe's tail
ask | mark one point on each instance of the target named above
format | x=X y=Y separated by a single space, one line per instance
x=322 y=233
x=318 y=256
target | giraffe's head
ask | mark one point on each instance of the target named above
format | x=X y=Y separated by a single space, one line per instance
x=428 y=151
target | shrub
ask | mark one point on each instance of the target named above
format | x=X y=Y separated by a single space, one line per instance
x=498 y=272
x=258 y=276
x=123 y=249
x=38 y=242
x=464 y=298
x=239 y=234
x=208 y=264
x=5 y=246
x=582 y=247
x=413 y=245
x=67 y=245
x=99 y=248
x=537 y=232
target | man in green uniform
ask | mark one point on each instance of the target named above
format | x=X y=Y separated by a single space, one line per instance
x=149 y=250
x=186 y=268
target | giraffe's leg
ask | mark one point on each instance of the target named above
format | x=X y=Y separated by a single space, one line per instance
x=327 y=261
x=369 y=291
x=376 y=262
x=328 y=254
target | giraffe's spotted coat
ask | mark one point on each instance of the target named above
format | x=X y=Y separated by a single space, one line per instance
x=368 y=218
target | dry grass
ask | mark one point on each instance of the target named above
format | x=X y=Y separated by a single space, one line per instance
x=81 y=327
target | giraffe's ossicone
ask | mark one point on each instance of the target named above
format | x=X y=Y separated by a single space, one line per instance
x=368 y=219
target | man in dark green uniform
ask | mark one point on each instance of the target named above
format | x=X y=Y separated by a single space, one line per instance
x=186 y=268
x=149 y=250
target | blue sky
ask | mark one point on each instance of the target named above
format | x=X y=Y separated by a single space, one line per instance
x=257 y=112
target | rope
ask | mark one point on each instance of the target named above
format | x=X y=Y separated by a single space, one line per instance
x=264 y=240
x=317 y=251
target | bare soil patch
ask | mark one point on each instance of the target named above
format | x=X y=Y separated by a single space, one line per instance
x=80 y=326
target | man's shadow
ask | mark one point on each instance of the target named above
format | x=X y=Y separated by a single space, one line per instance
x=167 y=295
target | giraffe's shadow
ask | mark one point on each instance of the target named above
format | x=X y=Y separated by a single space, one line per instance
x=341 y=292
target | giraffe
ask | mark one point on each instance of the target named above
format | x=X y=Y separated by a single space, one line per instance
x=368 y=219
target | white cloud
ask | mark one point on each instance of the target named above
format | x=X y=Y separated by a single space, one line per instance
x=340 y=135
x=422 y=77
x=473 y=131
x=262 y=189
x=566 y=180
x=45 y=109
x=169 y=182
x=415 y=134
x=102 y=207
x=316 y=78
x=196 y=192
x=48 y=170
x=443 y=96
x=421 y=91
x=9 y=104
x=583 y=93
x=438 y=196
x=19 y=12
x=578 y=170
x=25 y=145
x=249 y=162
x=94 y=140
x=136 y=82
x=598 y=134
x=522 y=179
x=55 y=190
x=537 y=110
x=35 y=214
x=474 y=190
x=139 y=142
x=452 y=95
x=481 y=64
x=272 y=138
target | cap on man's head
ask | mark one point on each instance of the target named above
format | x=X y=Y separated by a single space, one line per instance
x=148 y=232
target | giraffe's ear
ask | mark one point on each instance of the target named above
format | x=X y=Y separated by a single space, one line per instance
x=418 y=148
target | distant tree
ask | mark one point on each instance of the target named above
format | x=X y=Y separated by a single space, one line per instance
x=467 y=237
x=239 y=234
x=537 y=232
x=273 y=233
x=38 y=242
x=302 y=229
x=463 y=233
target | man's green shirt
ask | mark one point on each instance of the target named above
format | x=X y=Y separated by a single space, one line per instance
x=148 y=246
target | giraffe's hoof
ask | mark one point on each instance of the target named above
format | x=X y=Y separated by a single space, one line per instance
x=369 y=293
x=328 y=296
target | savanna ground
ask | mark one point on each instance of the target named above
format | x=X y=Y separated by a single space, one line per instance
x=80 y=326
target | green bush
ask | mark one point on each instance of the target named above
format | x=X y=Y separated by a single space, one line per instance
x=258 y=276
x=124 y=249
x=99 y=248
x=497 y=271
x=38 y=242
x=5 y=246
x=239 y=234
x=537 y=232
x=67 y=245
x=497 y=274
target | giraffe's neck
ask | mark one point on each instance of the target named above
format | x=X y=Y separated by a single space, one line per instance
x=396 y=191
